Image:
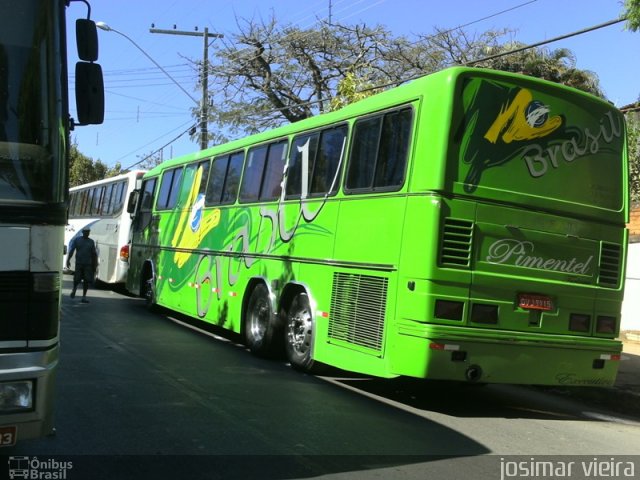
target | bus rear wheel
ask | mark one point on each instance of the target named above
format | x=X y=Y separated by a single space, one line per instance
x=299 y=333
x=260 y=323
x=149 y=294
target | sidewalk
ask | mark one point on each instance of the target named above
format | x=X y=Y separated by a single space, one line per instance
x=629 y=371
x=624 y=397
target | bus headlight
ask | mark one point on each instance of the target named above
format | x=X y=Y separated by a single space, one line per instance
x=16 y=396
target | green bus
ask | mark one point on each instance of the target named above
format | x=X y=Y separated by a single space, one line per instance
x=469 y=225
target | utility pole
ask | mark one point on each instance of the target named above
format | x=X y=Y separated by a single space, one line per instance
x=204 y=80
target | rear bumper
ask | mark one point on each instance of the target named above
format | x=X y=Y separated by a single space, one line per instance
x=472 y=355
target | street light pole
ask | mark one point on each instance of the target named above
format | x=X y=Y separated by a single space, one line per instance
x=107 y=28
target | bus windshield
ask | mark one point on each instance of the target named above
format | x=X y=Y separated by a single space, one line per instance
x=30 y=83
x=539 y=146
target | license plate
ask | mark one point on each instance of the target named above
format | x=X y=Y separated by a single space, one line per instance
x=8 y=436
x=531 y=301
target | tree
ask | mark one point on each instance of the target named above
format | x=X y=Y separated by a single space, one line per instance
x=83 y=169
x=350 y=89
x=150 y=160
x=632 y=13
x=557 y=66
x=267 y=75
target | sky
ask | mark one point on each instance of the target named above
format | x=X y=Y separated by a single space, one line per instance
x=145 y=110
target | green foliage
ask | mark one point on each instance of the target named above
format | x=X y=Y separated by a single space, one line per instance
x=352 y=88
x=557 y=66
x=632 y=12
x=150 y=160
x=83 y=169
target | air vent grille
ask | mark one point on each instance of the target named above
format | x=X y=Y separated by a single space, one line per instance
x=457 y=240
x=610 y=262
x=358 y=306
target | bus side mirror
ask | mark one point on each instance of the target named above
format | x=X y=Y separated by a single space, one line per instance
x=131 y=204
x=87 y=40
x=89 y=93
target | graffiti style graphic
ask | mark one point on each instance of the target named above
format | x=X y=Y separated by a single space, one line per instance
x=192 y=228
x=523 y=119
x=213 y=272
x=503 y=123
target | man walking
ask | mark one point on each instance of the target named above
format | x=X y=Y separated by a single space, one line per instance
x=86 y=262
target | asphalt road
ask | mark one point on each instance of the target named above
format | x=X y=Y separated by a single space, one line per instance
x=140 y=395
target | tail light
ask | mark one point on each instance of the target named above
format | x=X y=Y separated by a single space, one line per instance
x=579 y=322
x=124 y=253
x=606 y=324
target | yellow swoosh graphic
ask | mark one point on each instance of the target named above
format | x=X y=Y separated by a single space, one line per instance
x=185 y=237
x=512 y=122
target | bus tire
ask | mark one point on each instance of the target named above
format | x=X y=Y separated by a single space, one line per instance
x=299 y=333
x=260 y=324
x=148 y=292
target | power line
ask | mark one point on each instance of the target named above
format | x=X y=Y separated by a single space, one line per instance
x=161 y=148
x=545 y=42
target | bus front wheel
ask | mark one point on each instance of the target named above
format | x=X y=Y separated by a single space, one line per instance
x=260 y=327
x=299 y=333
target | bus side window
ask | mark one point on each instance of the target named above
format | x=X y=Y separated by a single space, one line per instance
x=206 y=165
x=188 y=182
x=380 y=150
x=118 y=197
x=216 y=180
x=146 y=204
x=96 y=197
x=73 y=203
x=272 y=181
x=366 y=136
x=325 y=167
x=84 y=195
x=108 y=197
x=394 y=148
x=253 y=170
x=169 y=188
x=232 y=179
x=304 y=148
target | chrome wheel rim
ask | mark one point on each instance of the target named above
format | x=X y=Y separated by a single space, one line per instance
x=259 y=319
x=299 y=330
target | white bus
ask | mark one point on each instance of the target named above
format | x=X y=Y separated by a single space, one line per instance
x=34 y=170
x=100 y=205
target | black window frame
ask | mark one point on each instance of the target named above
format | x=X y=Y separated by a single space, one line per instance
x=258 y=177
x=224 y=196
x=372 y=188
x=279 y=169
x=152 y=194
x=183 y=194
x=174 y=190
x=320 y=135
